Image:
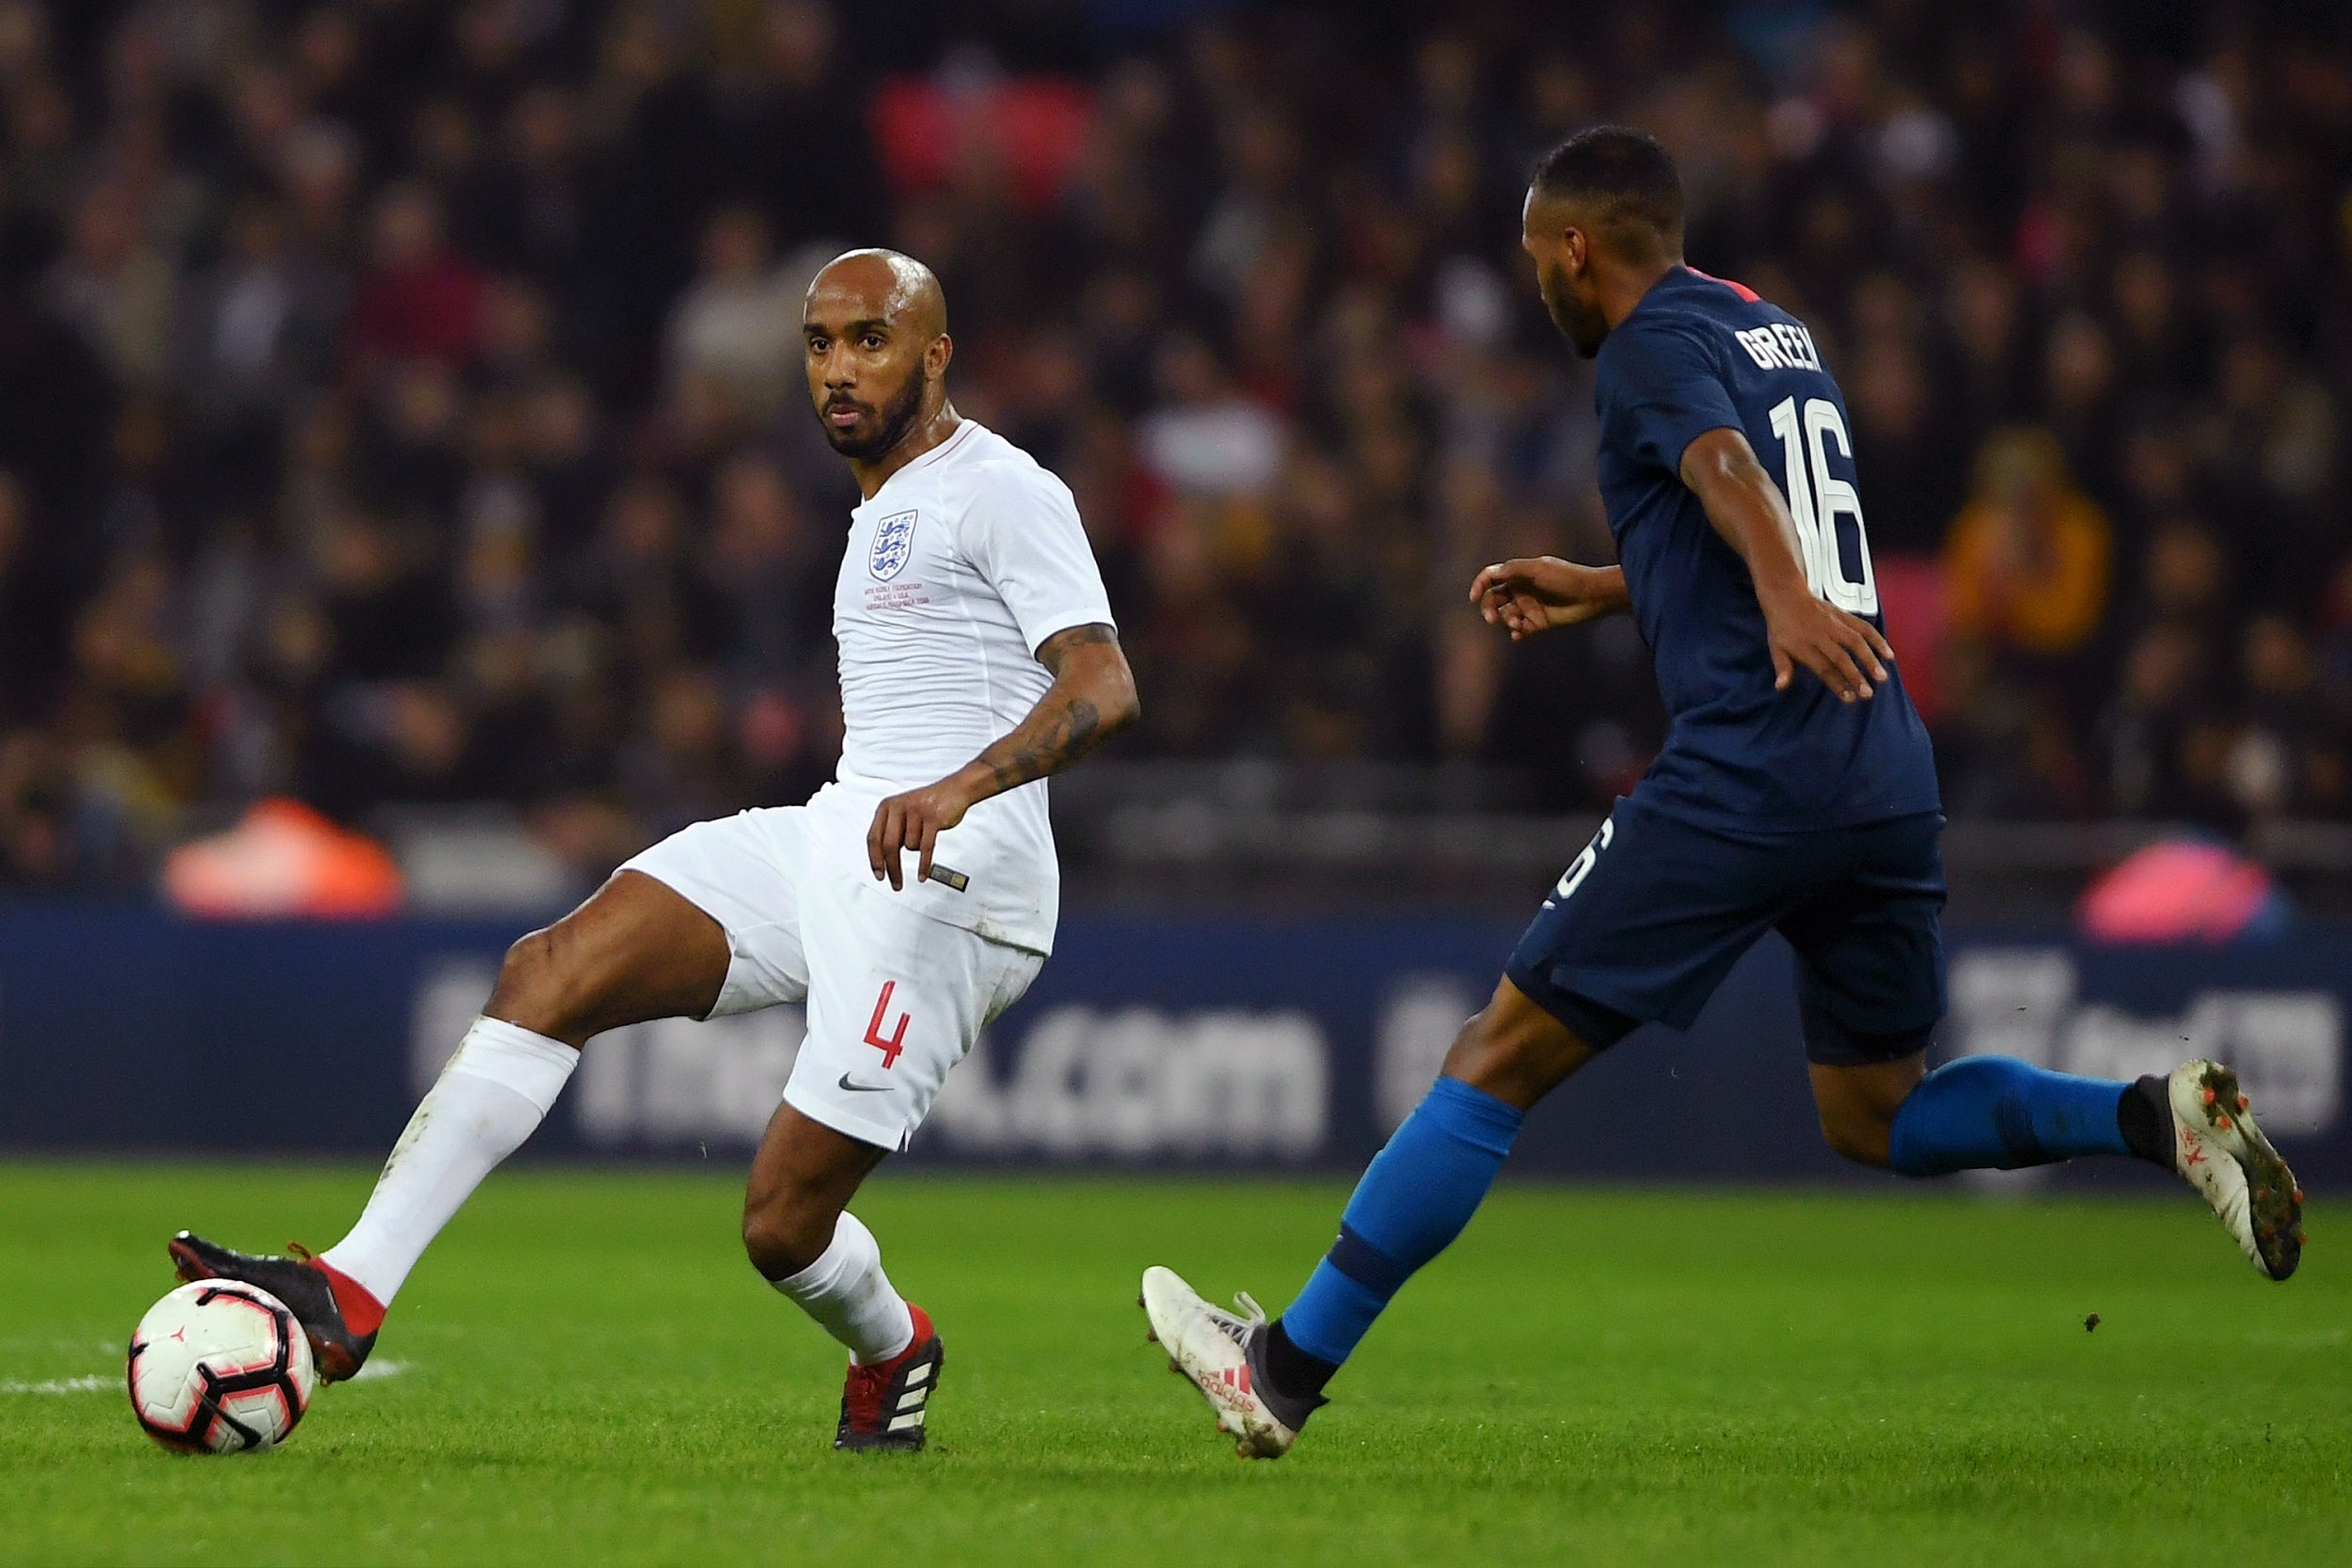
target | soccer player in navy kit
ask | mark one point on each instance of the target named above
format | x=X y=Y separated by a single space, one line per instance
x=1795 y=792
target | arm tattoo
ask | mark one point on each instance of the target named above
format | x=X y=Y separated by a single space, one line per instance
x=1067 y=735
x=1065 y=725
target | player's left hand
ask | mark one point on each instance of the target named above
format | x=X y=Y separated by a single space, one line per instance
x=1534 y=594
x=913 y=821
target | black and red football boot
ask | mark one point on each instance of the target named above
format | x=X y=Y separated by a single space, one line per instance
x=338 y=1316
x=882 y=1406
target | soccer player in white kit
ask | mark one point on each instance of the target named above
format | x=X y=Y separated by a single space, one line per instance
x=909 y=902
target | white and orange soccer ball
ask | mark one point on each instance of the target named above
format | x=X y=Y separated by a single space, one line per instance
x=220 y=1366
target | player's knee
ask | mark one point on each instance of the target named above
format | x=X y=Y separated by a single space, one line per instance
x=535 y=990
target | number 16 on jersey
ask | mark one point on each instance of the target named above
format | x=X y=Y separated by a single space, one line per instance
x=1817 y=499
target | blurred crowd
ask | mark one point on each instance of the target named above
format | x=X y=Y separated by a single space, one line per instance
x=401 y=399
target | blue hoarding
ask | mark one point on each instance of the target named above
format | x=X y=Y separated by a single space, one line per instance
x=1147 y=1041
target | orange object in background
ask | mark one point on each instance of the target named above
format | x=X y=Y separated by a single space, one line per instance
x=284 y=858
x=2027 y=561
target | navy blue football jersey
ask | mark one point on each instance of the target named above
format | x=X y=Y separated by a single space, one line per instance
x=1700 y=353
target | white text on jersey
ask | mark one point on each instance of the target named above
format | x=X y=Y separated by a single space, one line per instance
x=1782 y=345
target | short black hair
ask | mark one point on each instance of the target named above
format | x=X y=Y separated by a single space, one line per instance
x=1629 y=174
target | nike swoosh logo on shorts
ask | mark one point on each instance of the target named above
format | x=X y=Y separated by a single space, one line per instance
x=864 y=1088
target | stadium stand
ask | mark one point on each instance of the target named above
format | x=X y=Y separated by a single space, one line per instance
x=402 y=406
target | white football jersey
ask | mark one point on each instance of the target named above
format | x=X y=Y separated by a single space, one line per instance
x=958 y=569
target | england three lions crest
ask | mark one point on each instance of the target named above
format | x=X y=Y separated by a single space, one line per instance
x=893 y=546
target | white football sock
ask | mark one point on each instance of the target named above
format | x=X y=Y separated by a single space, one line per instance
x=492 y=1095
x=850 y=1297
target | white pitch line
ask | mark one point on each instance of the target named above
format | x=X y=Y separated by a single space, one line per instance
x=93 y=1383
x=63 y=1386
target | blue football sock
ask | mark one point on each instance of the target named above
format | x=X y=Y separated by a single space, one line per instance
x=1414 y=1199
x=2000 y=1113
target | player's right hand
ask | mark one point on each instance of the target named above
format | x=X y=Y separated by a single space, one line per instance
x=1845 y=651
x=913 y=821
x=1535 y=593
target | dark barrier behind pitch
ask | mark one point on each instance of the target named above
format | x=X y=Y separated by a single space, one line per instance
x=1193 y=1043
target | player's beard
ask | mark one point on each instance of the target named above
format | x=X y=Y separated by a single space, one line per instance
x=894 y=421
x=1582 y=325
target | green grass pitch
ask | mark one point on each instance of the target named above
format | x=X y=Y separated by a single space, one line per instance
x=584 y=1370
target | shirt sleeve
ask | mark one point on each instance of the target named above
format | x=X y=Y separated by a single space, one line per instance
x=1023 y=534
x=1665 y=385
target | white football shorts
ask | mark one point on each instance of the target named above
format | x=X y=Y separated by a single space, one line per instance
x=895 y=998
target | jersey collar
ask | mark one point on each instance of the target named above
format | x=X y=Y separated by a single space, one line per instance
x=1681 y=275
x=962 y=437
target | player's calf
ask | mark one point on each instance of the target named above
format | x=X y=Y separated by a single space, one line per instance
x=1998 y=1113
x=781 y=1244
x=790 y=1214
x=1858 y=1105
x=491 y=1096
x=802 y=1179
x=1414 y=1199
x=2001 y=1114
x=1515 y=1051
x=800 y=1235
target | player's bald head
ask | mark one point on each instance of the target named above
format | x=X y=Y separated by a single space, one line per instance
x=878 y=285
x=875 y=330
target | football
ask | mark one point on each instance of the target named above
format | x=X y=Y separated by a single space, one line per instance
x=218 y=1366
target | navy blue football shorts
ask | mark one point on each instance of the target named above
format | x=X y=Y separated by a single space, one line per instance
x=1653 y=914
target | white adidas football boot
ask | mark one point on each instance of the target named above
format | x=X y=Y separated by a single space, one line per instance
x=2217 y=1149
x=1222 y=1354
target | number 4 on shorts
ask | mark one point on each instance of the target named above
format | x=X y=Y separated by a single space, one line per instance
x=896 y=1043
